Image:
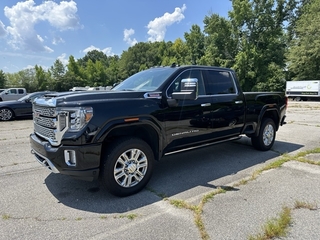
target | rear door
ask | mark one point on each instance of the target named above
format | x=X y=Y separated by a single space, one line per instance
x=228 y=105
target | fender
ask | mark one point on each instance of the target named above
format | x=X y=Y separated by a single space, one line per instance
x=147 y=126
x=272 y=111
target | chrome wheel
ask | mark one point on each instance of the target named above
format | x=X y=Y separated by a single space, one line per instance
x=130 y=168
x=268 y=135
x=5 y=114
x=127 y=166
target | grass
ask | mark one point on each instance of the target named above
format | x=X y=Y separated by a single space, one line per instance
x=130 y=216
x=276 y=227
x=302 y=204
x=279 y=227
x=5 y=216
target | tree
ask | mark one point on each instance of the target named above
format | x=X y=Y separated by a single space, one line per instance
x=179 y=51
x=113 y=71
x=258 y=27
x=74 y=76
x=195 y=43
x=304 y=52
x=2 y=79
x=94 y=56
x=220 y=42
x=57 y=72
x=41 y=78
x=96 y=74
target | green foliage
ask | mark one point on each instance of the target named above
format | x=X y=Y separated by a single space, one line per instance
x=220 y=43
x=258 y=27
x=42 y=79
x=265 y=41
x=195 y=43
x=304 y=52
x=2 y=79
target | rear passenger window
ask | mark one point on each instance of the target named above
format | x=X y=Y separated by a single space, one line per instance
x=219 y=82
x=20 y=91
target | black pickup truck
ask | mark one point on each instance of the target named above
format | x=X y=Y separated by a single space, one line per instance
x=116 y=135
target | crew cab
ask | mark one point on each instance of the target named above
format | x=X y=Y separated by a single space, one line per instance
x=116 y=135
x=12 y=94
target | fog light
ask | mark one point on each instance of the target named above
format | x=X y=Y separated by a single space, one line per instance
x=70 y=158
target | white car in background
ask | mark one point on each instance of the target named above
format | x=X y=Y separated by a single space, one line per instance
x=12 y=94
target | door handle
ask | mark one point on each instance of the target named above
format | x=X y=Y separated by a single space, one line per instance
x=205 y=104
x=239 y=102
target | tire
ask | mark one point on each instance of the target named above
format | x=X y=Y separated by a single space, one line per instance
x=267 y=134
x=6 y=114
x=126 y=166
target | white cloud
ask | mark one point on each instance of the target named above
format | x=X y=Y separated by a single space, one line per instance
x=107 y=50
x=3 y=31
x=25 y=15
x=56 y=40
x=158 y=27
x=127 y=37
x=63 y=58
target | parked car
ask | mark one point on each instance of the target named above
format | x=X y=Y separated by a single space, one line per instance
x=19 y=108
x=12 y=94
x=1 y=90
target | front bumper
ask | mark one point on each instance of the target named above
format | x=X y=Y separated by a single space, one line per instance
x=85 y=163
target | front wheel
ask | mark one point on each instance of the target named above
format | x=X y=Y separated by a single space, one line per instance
x=6 y=114
x=267 y=134
x=127 y=166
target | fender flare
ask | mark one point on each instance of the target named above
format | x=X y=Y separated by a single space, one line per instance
x=120 y=127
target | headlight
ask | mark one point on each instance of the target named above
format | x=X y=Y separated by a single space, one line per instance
x=79 y=118
x=73 y=118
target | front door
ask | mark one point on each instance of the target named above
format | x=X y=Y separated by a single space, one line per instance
x=188 y=121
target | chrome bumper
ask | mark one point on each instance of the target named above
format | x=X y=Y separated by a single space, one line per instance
x=44 y=161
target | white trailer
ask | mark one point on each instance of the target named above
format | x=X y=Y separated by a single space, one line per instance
x=303 y=90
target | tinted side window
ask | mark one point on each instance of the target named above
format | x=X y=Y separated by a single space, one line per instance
x=219 y=82
x=193 y=73
x=13 y=91
x=20 y=91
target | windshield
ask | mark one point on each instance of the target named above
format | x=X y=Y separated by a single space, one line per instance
x=31 y=96
x=148 y=80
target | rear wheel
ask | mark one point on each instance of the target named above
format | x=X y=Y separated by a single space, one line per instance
x=127 y=166
x=267 y=134
x=6 y=114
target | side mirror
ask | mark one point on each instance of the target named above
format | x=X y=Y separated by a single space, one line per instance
x=189 y=90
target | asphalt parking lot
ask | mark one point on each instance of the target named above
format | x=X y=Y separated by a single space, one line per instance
x=211 y=193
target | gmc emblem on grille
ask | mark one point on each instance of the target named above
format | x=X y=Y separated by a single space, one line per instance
x=36 y=113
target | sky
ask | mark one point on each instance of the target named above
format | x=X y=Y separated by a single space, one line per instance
x=38 y=32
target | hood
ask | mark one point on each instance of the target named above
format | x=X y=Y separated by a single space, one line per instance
x=83 y=97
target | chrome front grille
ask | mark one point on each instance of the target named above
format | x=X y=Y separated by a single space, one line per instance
x=46 y=133
x=44 y=111
x=46 y=122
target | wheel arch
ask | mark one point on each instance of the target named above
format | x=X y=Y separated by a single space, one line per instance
x=144 y=131
x=267 y=112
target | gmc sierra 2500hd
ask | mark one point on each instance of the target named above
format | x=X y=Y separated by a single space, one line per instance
x=115 y=136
